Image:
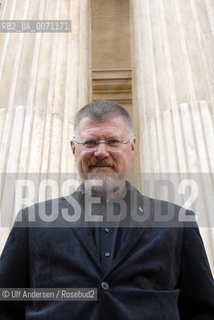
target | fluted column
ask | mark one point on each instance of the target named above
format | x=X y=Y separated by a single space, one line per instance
x=173 y=52
x=44 y=81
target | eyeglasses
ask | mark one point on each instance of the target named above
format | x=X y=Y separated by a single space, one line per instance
x=111 y=143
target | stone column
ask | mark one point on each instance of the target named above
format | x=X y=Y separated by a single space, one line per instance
x=173 y=52
x=44 y=81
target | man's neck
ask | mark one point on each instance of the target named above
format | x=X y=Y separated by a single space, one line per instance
x=108 y=194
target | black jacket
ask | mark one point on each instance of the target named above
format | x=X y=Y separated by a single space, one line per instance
x=160 y=273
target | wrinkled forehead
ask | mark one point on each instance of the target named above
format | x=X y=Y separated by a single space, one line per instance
x=107 y=125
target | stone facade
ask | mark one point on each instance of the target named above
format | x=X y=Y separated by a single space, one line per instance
x=153 y=56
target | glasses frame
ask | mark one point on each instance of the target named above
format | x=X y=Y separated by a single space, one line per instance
x=99 y=142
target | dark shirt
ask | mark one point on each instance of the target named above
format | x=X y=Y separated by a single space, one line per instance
x=108 y=240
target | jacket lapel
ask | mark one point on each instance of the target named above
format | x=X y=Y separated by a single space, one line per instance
x=82 y=230
x=140 y=210
x=85 y=238
x=144 y=214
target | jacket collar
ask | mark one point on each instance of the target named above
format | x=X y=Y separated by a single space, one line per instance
x=140 y=208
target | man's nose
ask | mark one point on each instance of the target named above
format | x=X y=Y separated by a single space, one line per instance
x=101 y=150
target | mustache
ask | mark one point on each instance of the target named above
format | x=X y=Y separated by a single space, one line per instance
x=101 y=163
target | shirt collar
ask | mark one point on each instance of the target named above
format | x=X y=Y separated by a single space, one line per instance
x=124 y=194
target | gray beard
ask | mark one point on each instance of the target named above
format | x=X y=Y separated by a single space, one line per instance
x=103 y=182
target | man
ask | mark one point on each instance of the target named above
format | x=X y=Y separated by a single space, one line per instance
x=144 y=271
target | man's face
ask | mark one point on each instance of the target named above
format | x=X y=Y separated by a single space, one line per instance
x=103 y=162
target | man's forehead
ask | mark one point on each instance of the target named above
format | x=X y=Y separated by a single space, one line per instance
x=88 y=122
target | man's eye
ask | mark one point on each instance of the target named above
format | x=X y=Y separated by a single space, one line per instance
x=113 y=142
x=90 y=143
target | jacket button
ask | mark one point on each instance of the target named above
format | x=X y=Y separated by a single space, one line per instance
x=105 y=285
x=107 y=254
x=140 y=211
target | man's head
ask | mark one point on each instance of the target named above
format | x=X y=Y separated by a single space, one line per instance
x=103 y=144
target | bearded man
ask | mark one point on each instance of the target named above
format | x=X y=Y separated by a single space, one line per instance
x=141 y=270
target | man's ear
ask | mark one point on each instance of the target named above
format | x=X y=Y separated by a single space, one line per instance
x=73 y=147
x=133 y=145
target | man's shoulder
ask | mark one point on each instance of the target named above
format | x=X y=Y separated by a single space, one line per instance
x=162 y=213
x=154 y=201
x=48 y=212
